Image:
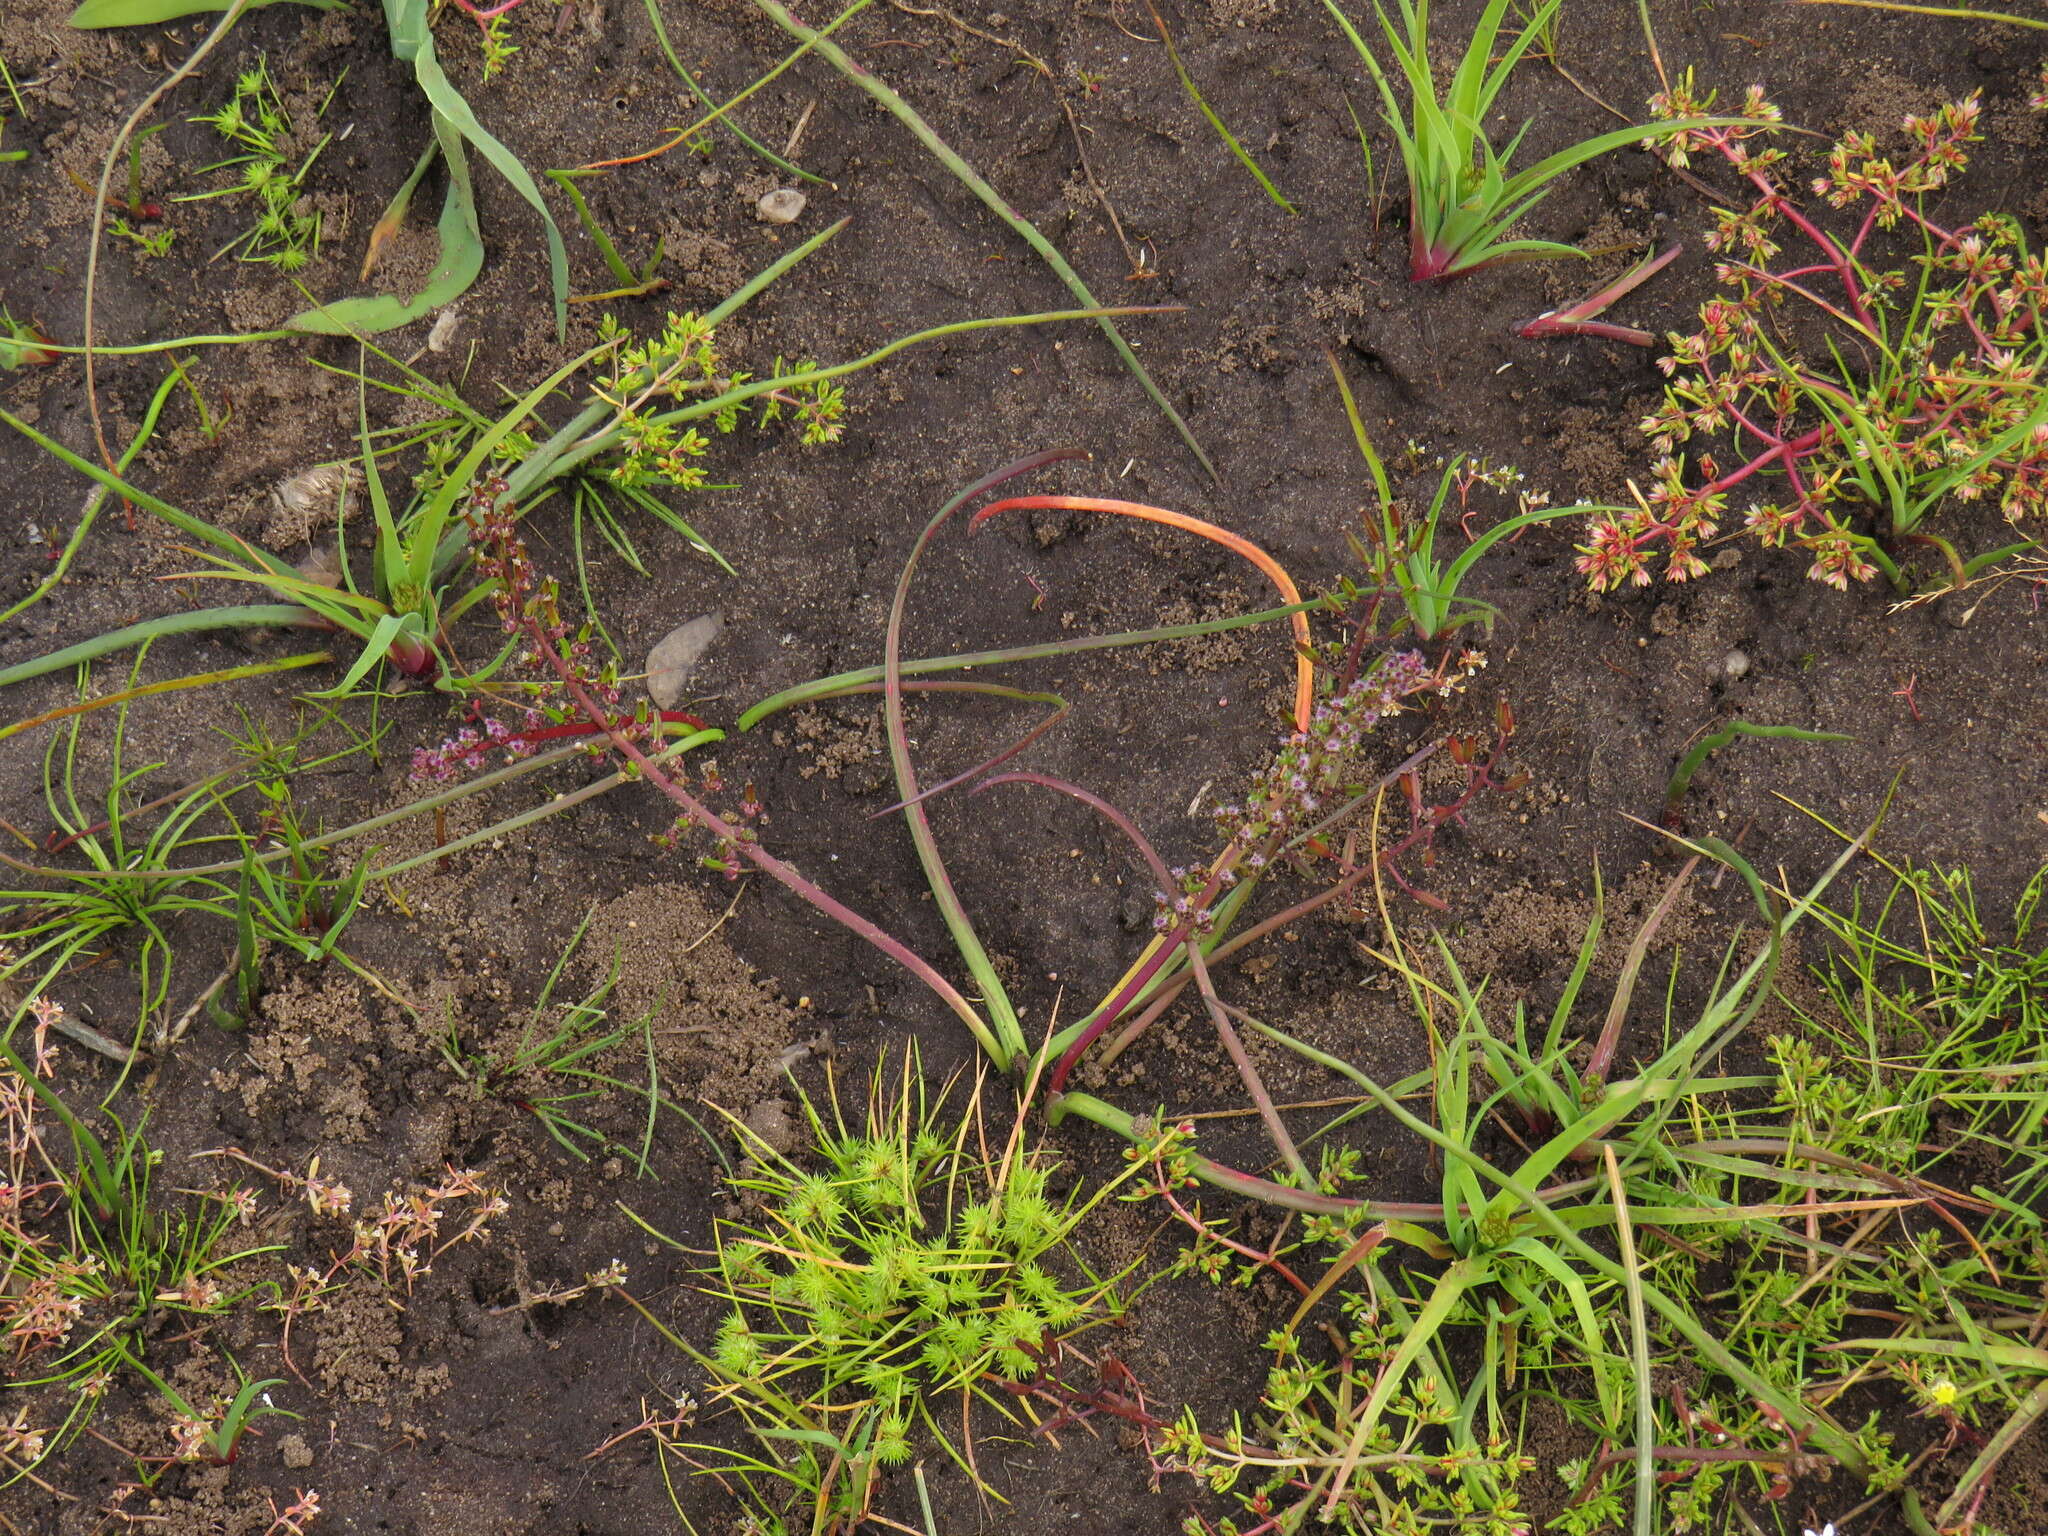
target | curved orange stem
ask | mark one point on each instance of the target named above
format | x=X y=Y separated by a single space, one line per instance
x=1304 y=664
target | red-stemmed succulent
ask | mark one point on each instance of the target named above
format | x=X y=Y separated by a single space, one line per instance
x=1855 y=399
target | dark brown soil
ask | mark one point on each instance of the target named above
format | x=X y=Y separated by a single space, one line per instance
x=469 y=1410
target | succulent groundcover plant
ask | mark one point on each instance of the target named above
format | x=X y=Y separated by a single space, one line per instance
x=1859 y=399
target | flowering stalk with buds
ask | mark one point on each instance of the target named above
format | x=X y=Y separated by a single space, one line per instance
x=1929 y=388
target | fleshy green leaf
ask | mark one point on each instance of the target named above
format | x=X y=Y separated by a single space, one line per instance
x=142 y=13
x=413 y=43
x=462 y=258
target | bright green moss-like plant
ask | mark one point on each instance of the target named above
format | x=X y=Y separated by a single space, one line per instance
x=901 y=1257
x=272 y=169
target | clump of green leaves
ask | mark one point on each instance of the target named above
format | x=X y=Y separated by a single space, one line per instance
x=120 y=875
x=680 y=365
x=1462 y=200
x=897 y=1259
x=557 y=1062
x=1399 y=550
x=271 y=171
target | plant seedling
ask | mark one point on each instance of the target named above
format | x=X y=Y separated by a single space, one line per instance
x=555 y=1064
x=135 y=207
x=1399 y=553
x=96 y=1267
x=494 y=23
x=152 y=242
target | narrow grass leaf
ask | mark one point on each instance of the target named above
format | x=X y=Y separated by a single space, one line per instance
x=455 y=269
x=1025 y=230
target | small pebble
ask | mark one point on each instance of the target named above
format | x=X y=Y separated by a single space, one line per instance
x=675 y=657
x=1735 y=666
x=441 y=335
x=782 y=206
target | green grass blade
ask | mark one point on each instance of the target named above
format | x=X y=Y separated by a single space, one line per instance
x=566 y=180
x=455 y=270
x=412 y=43
x=92 y=14
x=184 y=522
x=704 y=97
x=98 y=502
x=1953 y=12
x=1025 y=230
x=967 y=661
x=1187 y=83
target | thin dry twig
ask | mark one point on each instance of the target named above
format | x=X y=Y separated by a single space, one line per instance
x=99 y=208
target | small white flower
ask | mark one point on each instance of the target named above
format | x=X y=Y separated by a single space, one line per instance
x=1826 y=1530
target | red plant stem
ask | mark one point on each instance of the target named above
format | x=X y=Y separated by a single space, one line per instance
x=1100 y=806
x=1838 y=260
x=1173 y=989
x=703 y=816
x=1797 y=447
x=591 y=727
x=1168 y=996
x=1248 y=1074
x=1607 y=330
x=481 y=16
x=1344 y=887
x=1263 y=1260
x=1129 y=993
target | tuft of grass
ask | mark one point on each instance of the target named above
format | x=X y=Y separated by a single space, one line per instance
x=115 y=871
x=556 y=1065
x=99 y=1267
x=1463 y=202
